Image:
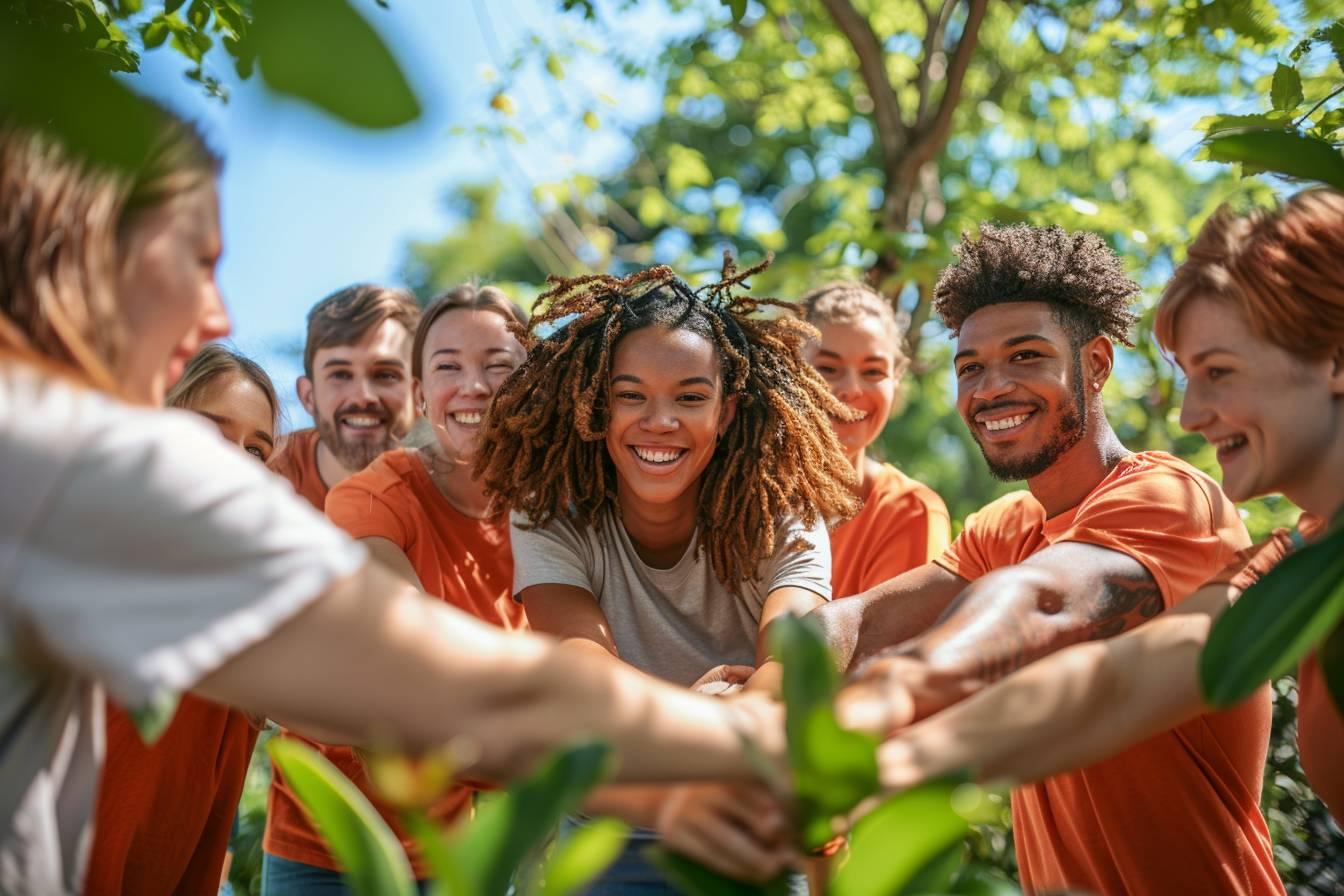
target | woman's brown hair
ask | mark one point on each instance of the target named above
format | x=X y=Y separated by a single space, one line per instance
x=207 y=366
x=62 y=221
x=468 y=297
x=543 y=451
x=1282 y=268
x=846 y=302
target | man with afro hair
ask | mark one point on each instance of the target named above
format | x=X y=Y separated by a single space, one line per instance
x=1102 y=540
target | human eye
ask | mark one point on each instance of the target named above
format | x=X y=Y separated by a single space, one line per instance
x=447 y=365
x=875 y=373
x=967 y=369
x=694 y=397
x=341 y=375
x=389 y=376
x=826 y=369
x=1026 y=354
x=256 y=452
x=629 y=395
x=1213 y=374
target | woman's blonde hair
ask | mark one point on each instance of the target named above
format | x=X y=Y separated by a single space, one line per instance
x=63 y=218
x=848 y=302
x=208 y=365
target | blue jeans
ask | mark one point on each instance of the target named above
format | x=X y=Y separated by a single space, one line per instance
x=281 y=877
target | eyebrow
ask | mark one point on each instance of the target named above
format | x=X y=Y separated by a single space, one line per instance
x=496 y=350
x=380 y=362
x=218 y=420
x=1007 y=343
x=1215 y=350
x=689 y=381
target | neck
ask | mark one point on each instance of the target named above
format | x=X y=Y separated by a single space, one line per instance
x=332 y=471
x=452 y=477
x=865 y=470
x=1078 y=471
x=659 y=532
x=1319 y=489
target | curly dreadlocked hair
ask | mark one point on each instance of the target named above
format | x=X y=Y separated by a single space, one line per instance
x=1076 y=274
x=543 y=454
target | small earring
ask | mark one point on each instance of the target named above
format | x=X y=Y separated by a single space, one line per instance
x=1096 y=387
x=424 y=409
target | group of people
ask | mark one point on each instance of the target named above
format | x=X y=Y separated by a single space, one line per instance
x=601 y=510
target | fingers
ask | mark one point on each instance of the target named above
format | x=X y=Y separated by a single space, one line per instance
x=721 y=676
x=877 y=707
x=731 y=830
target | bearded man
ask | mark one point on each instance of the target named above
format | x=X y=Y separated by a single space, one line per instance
x=1102 y=540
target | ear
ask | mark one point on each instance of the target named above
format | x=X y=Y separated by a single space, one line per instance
x=1098 y=362
x=418 y=399
x=1337 y=370
x=728 y=412
x=304 y=387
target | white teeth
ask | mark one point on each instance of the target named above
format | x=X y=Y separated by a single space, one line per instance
x=467 y=418
x=361 y=422
x=659 y=456
x=1005 y=423
x=861 y=419
x=1230 y=442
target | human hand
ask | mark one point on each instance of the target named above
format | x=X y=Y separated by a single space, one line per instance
x=739 y=831
x=723 y=680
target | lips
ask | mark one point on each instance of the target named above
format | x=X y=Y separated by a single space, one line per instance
x=660 y=456
x=361 y=422
x=1228 y=446
x=466 y=418
x=1003 y=422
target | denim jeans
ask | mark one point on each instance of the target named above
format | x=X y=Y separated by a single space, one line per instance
x=281 y=877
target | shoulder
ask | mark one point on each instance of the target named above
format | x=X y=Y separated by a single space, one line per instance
x=1012 y=512
x=1157 y=480
x=898 y=491
x=295 y=446
x=389 y=474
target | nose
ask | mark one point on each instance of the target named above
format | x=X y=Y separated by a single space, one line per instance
x=214 y=320
x=992 y=384
x=846 y=386
x=476 y=385
x=1196 y=414
x=660 y=418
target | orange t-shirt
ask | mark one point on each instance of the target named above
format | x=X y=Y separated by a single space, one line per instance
x=1180 y=812
x=165 y=811
x=903 y=524
x=297 y=461
x=465 y=561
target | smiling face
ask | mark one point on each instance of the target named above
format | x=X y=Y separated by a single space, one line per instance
x=1020 y=387
x=858 y=362
x=1270 y=415
x=467 y=355
x=360 y=394
x=242 y=411
x=169 y=299
x=667 y=412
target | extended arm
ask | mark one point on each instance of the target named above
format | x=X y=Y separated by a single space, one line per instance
x=342 y=665
x=1062 y=713
x=1067 y=593
x=571 y=614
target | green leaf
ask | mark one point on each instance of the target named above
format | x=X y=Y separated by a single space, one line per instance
x=511 y=825
x=694 y=879
x=323 y=52
x=1334 y=36
x=172 y=6
x=578 y=860
x=891 y=844
x=937 y=874
x=154 y=33
x=1331 y=658
x=374 y=862
x=198 y=14
x=833 y=768
x=686 y=167
x=1285 y=92
x=1281 y=617
x=1281 y=152
x=736 y=8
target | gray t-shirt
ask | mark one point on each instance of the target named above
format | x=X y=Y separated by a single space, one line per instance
x=138 y=553
x=673 y=623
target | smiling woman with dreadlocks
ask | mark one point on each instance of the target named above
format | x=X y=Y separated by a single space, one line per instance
x=671 y=465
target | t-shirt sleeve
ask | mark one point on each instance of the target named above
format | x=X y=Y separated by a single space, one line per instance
x=555 y=554
x=915 y=531
x=1181 y=529
x=160 y=552
x=989 y=535
x=365 y=513
x=807 y=567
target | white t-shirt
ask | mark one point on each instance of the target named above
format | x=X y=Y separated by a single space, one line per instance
x=138 y=553
x=674 y=623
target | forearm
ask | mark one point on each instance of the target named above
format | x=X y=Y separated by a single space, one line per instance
x=373 y=662
x=637 y=804
x=1071 y=710
x=859 y=626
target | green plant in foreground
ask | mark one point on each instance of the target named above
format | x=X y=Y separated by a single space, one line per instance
x=911 y=843
x=1294 y=609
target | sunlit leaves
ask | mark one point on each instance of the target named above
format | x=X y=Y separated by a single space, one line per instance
x=1286 y=91
x=1283 y=152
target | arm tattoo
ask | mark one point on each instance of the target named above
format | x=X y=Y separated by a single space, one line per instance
x=1124 y=602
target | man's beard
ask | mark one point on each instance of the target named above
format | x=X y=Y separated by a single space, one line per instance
x=355 y=454
x=1068 y=432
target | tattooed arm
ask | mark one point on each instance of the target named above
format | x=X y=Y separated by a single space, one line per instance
x=1065 y=594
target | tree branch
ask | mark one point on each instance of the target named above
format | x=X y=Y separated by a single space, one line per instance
x=936 y=27
x=886 y=104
